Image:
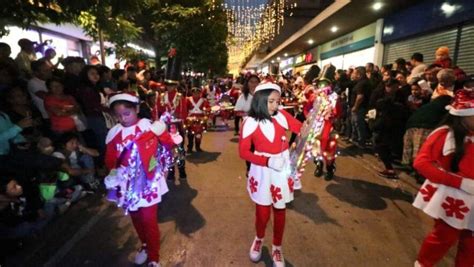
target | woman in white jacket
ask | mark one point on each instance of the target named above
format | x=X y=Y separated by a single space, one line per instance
x=242 y=106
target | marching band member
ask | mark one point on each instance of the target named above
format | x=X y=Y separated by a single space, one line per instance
x=136 y=181
x=242 y=106
x=172 y=107
x=196 y=122
x=447 y=195
x=269 y=184
x=325 y=148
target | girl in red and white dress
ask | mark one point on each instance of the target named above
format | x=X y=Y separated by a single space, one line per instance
x=447 y=195
x=136 y=181
x=269 y=184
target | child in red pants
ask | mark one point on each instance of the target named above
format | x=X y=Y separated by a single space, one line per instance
x=135 y=155
x=269 y=184
x=447 y=195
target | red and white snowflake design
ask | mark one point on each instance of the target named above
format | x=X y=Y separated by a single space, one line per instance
x=276 y=193
x=291 y=184
x=455 y=208
x=150 y=195
x=253 y=185
x=428 y=192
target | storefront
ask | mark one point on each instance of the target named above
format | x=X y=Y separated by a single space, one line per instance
x=415 y=30
x=304 y=61
x=52 y=36
x=350 y=50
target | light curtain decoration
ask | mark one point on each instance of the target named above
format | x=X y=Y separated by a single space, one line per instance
x=252 y=23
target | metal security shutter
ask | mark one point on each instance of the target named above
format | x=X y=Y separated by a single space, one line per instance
x=466 y=50
x=426 y=44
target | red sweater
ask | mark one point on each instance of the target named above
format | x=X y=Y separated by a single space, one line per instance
x=432 y=164
x=257 y=133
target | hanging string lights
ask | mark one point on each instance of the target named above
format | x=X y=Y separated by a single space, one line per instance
x=252 y=23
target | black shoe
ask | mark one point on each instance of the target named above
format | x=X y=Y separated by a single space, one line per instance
x=330 y=170
x=189 y=151
x=198 y=149
x=319 y=168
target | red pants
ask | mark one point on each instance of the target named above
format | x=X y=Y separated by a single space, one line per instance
x=145 y=221
x=262 y=215
x=443 y=237
x=328 y=143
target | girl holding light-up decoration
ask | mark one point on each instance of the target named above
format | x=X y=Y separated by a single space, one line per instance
x=269 y=184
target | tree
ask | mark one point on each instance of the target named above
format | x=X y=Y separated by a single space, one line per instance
x=196 y=28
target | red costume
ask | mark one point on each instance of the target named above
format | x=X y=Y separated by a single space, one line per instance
x=196 y=122
x=269 y=184
x=136 y=156
x=448 y=196
x=325 y=150
x=174 y=103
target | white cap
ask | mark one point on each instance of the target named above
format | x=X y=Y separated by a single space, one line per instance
x=124 y=97
x=268 y=86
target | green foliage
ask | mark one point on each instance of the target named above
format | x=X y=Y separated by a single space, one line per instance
x=196 y=28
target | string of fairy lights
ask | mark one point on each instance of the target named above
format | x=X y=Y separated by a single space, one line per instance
x=252 y=23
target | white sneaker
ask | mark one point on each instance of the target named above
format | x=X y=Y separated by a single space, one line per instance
x=256 y=250
x=154 y=264
x=297 y=184
x=277 y=257
x=141 y=256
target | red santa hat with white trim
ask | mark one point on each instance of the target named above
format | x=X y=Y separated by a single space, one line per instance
x=463 y=104
x=124 y=97
x=268 y=86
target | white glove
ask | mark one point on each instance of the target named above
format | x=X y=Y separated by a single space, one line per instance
x=114 y=179
x=276 y=163
x=467 y=185
x=158 y=127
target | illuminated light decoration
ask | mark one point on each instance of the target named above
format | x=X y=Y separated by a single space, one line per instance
x=252 y=23
x=310 y=41
x=310 y=131
x=377 y=6
x=334 y=29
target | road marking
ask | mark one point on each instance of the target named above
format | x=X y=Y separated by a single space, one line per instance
x=56 y=258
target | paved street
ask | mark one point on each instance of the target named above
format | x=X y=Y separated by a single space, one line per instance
x=358 y=219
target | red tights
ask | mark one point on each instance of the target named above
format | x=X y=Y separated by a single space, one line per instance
x=262 y=215
x=443 y=237
x=145 y=221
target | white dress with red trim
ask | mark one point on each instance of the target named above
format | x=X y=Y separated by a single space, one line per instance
x=138 y=173
x=440 y=196
x=267 y=186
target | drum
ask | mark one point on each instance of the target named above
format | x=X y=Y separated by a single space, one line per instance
x=215 y=109
x=197 y=124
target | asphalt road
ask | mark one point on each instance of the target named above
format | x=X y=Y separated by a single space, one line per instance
x=358 y=219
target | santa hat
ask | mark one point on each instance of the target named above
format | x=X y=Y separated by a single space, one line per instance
x=463 y=104
x=268 y=86
x=443 y=50
x=124 y=97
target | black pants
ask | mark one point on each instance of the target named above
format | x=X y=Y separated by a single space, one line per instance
x=237 y=124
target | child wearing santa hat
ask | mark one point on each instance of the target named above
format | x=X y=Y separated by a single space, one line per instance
x=135 y=154
x=269 y=184
x=447 y=195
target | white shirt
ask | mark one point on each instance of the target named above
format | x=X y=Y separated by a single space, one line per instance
x=37 y=85
x=242 y=104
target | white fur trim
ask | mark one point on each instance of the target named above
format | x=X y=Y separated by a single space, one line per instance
x=460 y=112
x=449 y=144
x=177 y=138
x=266 y=86
x=113 y=132
x=248 y=126
x=158 y=127
x=125 y=97
x=281 y=119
